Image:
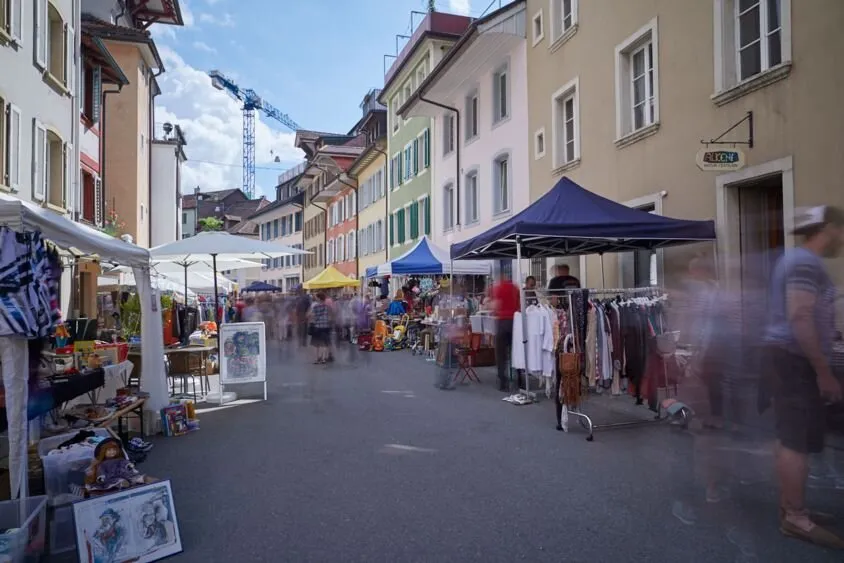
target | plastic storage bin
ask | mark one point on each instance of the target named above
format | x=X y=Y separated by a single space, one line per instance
x=23 y=541
x=64 y=474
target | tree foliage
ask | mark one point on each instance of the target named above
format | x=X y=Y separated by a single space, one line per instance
x=210 y=224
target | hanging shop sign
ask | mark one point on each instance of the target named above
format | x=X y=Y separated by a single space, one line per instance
x=720 y=159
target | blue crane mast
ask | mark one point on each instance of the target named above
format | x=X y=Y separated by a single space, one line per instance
x=251 y=102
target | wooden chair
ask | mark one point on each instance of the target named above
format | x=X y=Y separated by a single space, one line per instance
x=466 y=354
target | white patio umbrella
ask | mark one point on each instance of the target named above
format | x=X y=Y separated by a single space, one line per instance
x=201 y=275
x=219 y=244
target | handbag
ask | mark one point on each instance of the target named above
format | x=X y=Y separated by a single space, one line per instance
x=568 y=361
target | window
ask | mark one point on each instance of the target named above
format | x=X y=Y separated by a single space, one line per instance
x=10 y=145
x=565 y=112
x=395 y=171
x=448 y=207
x=501 y=185
x=394 y=113
x=500 y=94
x=448 y=133
x=330 y=250
x=472 y=116
x=91 y=92
x=563 y=19
x=379 y=235
x=56 y=170
x=59 y=47
x=759 y=26
x=426 y=148
x=416 y=160
x=298 y=221
x=392 y=229
x=408 y=161
x=353 y=249
x=275 y=228
x=539 y=143
x=752 y=45
x=11 y=19
x=538 y=28
x=425 y=215
x=472 y=203
x=408 y=222
x=637 y=81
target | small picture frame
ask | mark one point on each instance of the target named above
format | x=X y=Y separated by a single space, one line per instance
x=137 y=524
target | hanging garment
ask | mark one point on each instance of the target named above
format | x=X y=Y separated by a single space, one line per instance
x=540 y=342
x=591 y=359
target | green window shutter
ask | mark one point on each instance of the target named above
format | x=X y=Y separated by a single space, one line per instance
x=401 y=175
x=416 y=155
x=393 y=174
x=392 y=239
x=400 y=217
x=427 y=215
x=414 y=220
x=427 y=147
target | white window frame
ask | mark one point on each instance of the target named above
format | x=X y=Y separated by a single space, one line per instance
x=624 y=128
x=471 y=197
x=407 y=155
x=472 y=116
x=394 y=114
x=448 y=207
x=340 y=249
x=538 y=18
x=728 y=86
x=14 y=125
x=351 y=240
x=497 y=209
x=449 y=123
x=42 y=30
x=421 y=211
x=559 y=33
x=539 y=152
x=12 y=28
x=559 y=138
x=500 y=114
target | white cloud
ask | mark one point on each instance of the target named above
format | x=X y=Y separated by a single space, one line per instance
x=223 y=20
x=187 y=14
x=462 y=7
x=212 y=122
x=202 y=46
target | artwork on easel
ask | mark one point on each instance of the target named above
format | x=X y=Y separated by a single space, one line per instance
x=136 y=524
x=243 y=351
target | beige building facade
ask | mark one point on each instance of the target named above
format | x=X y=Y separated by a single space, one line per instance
x=622 y=92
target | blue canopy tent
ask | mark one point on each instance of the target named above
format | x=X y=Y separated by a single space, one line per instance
x=427 y=259
x=261 y=286
x=571 y=221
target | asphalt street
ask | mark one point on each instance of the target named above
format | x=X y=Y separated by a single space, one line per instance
x=365 y=460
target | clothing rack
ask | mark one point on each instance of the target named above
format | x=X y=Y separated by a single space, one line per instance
x=585 y=419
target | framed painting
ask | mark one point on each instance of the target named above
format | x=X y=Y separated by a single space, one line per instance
x=137 y=524
x=243 y=353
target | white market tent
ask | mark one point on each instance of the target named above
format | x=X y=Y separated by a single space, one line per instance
x=79 y=240
x=127 y=279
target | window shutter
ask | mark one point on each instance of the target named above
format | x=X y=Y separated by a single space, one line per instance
x=14 y=144
x=98 y=202
x=427 y=225
x=427 y=147
x=66 y=161
x=69 y=58
x=416 y=155
x=392 y=235
x=16 y=20
x=401 y=218
x=399 y=177
x=39 y=161
x=414 y=220
x=41 y=33
x=97 y=94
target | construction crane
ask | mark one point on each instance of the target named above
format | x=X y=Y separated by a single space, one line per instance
x=251 y=102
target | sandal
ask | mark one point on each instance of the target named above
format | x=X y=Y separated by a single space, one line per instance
x=821 y=518
x=817 y=535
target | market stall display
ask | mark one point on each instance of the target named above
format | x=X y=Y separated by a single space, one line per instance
x=569 y=221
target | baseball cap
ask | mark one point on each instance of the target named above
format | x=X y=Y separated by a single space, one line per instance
x=808 y=218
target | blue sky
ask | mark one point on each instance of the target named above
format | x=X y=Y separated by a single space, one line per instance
x=313 y=60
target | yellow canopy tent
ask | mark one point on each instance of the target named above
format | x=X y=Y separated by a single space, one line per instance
x=330 y=278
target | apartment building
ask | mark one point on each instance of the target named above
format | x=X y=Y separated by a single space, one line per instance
x=282 y=221
x=168 y=156
x=329 y=156
x=409 y=140
x=128 y=113
x=621 y=94
x=370 y=172
x=477 y=98
x=341 y=248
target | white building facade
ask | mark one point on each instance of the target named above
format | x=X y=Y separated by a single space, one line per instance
x=39 y=111
x=168 y=155
x=480 y=149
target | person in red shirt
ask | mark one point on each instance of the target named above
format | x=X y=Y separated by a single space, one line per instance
x=505 y=303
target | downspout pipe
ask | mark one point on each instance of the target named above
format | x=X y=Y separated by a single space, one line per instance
x=103 y=150
x=456 y=151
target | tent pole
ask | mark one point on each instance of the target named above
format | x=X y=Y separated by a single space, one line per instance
x=523 y=315
x=185 y=264
x=603 y=281
x=216 y=296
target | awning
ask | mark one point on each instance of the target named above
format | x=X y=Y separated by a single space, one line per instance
x=571 y=221
x=425 y=258
x=330 y=278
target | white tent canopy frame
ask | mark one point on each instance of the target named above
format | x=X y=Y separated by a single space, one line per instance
x=23 y=216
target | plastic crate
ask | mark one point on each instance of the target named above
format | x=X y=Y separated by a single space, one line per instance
x=64 y=473
x=23 y=541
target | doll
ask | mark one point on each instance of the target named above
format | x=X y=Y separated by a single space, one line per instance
x=110 y=468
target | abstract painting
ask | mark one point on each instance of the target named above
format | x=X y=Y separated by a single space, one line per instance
x=244 y=354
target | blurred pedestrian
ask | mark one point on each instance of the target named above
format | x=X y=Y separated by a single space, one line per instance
x=505 y=303
x=799 y=337
x=320 y=328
